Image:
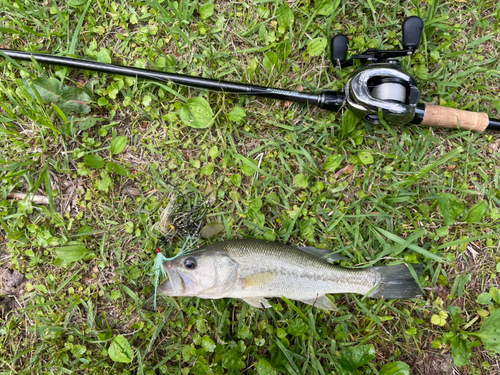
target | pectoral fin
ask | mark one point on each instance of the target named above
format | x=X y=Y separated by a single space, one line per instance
x=322 y=302
x=258 y=302
x=258 y=279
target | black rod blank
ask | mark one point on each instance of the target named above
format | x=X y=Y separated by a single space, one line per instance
x=327 y=100
x=493 y=124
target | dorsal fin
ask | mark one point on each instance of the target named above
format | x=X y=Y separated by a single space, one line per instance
x=323 y=254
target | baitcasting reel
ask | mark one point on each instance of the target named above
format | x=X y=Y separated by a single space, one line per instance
x=381 y=83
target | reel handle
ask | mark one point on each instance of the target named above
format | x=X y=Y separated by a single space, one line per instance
x=451 y=118
x=339 y=47
x=412 y=31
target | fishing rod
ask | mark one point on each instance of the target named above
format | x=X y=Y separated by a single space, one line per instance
x=380 y=84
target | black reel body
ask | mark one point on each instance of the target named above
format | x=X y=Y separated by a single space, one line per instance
x=381 y=83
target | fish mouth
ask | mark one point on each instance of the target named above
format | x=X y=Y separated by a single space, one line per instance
x=166 y=288
x=178 y=283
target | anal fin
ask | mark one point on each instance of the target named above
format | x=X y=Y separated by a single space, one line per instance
x=258 y=302
x=321 y=302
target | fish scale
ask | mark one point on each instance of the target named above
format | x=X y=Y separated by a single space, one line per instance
x=300 y=275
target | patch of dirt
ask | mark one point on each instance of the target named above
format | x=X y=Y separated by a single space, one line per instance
x=476 y=261
x=434 y=363
x=11 y=288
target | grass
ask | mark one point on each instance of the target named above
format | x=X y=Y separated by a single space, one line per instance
x=282 y=171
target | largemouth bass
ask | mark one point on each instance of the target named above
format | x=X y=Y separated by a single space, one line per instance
x=254 y=270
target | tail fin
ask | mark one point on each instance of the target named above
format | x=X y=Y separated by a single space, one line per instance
x=397 y=282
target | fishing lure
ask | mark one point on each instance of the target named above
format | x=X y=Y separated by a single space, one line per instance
x=157 y=270
x=178 y=219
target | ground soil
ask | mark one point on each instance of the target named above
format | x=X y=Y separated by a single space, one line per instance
x=11 y=289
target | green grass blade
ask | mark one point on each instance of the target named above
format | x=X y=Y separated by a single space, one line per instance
x=418 y=249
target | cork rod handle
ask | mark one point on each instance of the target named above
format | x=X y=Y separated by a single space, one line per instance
x=444 y=117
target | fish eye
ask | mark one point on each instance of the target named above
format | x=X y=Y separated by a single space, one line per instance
x=190 y=263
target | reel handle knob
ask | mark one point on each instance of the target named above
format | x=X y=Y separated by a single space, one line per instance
x=412 y=31
x=339 y=48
